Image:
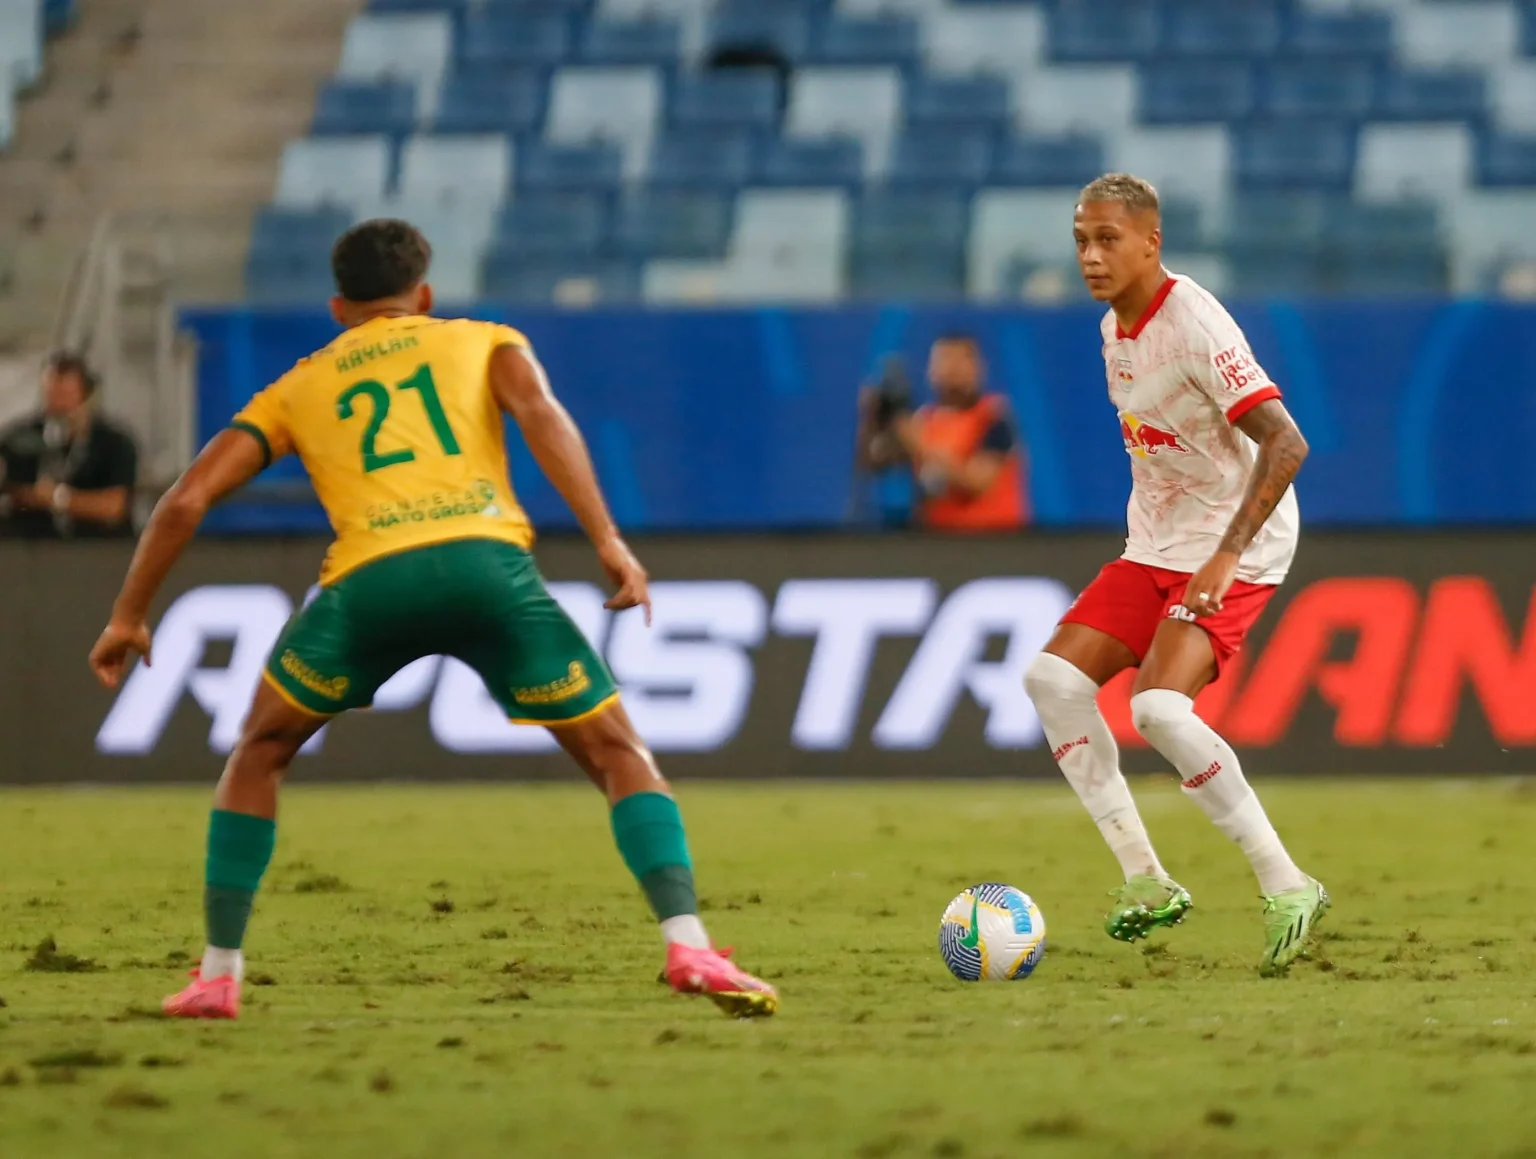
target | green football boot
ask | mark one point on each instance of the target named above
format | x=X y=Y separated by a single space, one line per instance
x=1289 y=918
x=1143 y=904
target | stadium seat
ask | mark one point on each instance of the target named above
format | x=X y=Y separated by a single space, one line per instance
x=1398 y=161
x=1191 y=162
x=826 y=161
x=622 y=105
x=863 y=103
x=1032 y=226
x=946 y=158
x=1176 y=93
x=1487 y=228
x=452 y=7
x=414 y=48
x=1512 y=95
x=958 y=102
x=21 y=43
x=691 y=226
x=58 y=15
x=1441 y=95
x=288 y=277
x=457 y=170
x=727 y=98
x=1079 y=99
x=340 y=171
x=1319 y=87
x=595 y=168
x=1183 y=230
x=888 y=221
x=1506 y=159
x=652 y=42
x=511 y=278
x=1219 y=31
x=1103 y=30
x=887 y=40
x=1001 y=39
x=543 y=40
x=551 y=225
x=1258 y=271
x=526 y=9
x=747 y=25
x=1350 y=34
x=1294 y=155
x=352 y=107
x=1441 y=34
x=1528 y=29
x=459 y=232
x=905 y=276
x=1382 y=249
x=492 y=100
x=1047 y=161
x=1392 y=225
x=722 y=159
x=790 y=244
x=1268 y=219
x=298 y=231
x=7 y=115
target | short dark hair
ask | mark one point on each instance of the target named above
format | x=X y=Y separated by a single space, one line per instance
x=962 y=337
x=65 y=362
x=379 y=259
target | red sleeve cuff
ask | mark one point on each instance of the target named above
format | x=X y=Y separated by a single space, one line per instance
x=1245 y=404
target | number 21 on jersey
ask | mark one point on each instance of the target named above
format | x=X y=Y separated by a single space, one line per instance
x=379 y=395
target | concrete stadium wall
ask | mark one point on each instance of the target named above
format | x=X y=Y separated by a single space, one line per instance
x=799 y=656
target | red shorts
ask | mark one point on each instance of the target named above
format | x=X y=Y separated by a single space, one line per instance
x=1129 y=600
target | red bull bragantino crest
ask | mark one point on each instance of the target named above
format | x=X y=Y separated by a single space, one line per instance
x=1144 y=439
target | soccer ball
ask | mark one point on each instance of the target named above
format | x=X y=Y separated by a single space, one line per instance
x=992 y=933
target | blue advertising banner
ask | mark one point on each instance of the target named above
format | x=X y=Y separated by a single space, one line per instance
x=1418 y=413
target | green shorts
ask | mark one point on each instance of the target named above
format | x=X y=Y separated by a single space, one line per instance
x=479 y=600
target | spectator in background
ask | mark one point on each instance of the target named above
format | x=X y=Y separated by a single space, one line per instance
x=963 y=449
x=67 y=471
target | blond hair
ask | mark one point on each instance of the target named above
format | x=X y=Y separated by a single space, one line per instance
x=1134 y=193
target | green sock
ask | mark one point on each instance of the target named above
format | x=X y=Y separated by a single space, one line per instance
x=649 y=832
x=239 y=849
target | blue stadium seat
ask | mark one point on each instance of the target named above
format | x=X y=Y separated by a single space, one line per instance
x=524 y=9
x=492 y=100
x=1332 y=88
x=273 y=277
x=1250 y=28
x=1359 y=34
x=652 y=224
x=1044 y=161
x=888 y=221
x=456 y=7
x=1265 y=218
x=919 y=277
x=1183 y=232
x=1505 y=159
x=728 y=98
x=1439 y=95
x=1294 y=155
x=976 y=101
x=723 y=159
x=1363 y=225
x=1377 y=249
x=508 y=278
x=892 y=40
x=783 y=29
x=1415 y=272
x=1258 y=270
x=657 y=42
x=298 y=231
x=1176 y=93
x=365 y=107
x=1084 y=31
x=596 y=168
x=58 y=15
x=550 y=224
x=536 y=40
x=1528 y=28
x=826 y=161
x=944 y=158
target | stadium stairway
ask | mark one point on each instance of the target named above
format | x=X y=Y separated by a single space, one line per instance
x=106 y=133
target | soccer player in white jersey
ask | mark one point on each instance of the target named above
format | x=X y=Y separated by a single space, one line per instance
x=1212 y=526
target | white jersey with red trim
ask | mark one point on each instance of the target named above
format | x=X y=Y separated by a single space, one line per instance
x=1180 y=379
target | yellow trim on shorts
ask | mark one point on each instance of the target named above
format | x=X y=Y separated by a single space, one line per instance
x=289 y=697
x=603 y=706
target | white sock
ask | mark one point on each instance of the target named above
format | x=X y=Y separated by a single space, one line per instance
x=1214 y=780
x=219 y=963
x=1066 y=699
x=687 y=930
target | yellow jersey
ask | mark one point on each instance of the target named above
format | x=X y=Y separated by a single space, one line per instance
x=397 y=427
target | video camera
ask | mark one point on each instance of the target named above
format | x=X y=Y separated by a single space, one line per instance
x=890 y=394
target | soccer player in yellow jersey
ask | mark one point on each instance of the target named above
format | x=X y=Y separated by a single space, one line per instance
x=399 y=423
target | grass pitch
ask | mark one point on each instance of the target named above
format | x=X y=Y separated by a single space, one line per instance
x=469 y=972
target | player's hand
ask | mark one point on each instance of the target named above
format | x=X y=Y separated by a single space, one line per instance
x=1210 y=585
x=631 y=584
x=120 y=642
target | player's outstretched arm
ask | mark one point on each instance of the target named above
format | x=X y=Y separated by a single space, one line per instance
x=522 y=390
x=228 y=462
x=1282 y=450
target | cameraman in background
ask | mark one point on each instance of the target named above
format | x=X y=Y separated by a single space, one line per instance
x=963 y=451
x=67 y=472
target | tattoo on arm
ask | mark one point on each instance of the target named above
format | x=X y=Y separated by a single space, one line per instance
x=1282 y=450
